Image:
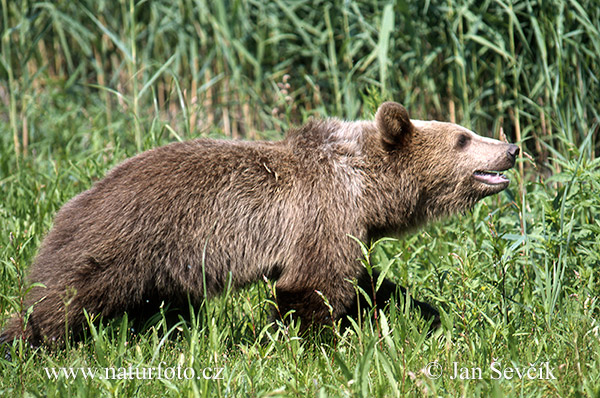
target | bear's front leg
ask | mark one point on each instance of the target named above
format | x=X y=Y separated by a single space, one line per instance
x=310 y=303
x=389 y=289
x=306 y=305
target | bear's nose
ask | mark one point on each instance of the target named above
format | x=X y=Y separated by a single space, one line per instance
x=512 y=152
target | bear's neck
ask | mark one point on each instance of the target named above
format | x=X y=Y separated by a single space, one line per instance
x=391 y=203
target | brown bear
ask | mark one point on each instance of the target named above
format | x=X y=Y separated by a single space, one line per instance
x=181 y=220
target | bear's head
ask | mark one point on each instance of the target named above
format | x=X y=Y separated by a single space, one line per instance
x=449 y=166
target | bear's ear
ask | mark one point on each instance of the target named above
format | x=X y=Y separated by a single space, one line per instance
x=393 y=123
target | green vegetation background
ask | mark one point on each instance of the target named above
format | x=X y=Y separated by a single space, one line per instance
x=84 y=84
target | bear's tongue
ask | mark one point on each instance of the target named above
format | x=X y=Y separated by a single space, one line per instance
x=490 y=177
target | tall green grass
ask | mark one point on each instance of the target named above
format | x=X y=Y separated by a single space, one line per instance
x=85 y=84
x=529 y=68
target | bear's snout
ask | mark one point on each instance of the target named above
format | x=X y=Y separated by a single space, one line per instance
x=512 y=152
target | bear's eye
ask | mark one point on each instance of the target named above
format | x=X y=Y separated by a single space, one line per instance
x=462 y=141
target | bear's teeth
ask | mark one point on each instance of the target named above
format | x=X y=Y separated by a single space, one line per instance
x=490 y=177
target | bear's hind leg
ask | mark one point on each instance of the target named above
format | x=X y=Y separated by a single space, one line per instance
x=45 y=324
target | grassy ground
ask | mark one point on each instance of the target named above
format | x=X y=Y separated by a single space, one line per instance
x=86 y=84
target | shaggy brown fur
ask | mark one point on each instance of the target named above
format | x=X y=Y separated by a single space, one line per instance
x=166 y=220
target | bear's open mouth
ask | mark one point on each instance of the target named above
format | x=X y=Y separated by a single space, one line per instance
x=490 y=177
